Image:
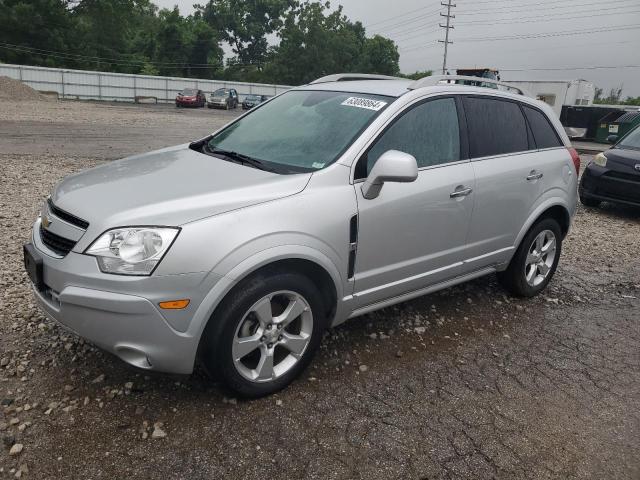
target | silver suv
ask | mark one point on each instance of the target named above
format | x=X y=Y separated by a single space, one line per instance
x=327 y=202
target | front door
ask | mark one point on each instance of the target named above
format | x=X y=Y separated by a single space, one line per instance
x=414 y=234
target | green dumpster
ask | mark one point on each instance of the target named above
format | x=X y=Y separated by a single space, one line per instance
x=604 y=123
x=620 y=125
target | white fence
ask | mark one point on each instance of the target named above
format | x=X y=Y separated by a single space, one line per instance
x=90 y=85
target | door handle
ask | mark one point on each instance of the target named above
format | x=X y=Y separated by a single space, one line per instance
x=533 y=175
x=460 y=192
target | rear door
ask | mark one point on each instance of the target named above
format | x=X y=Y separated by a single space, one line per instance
x=414 y=234
x=509 y=175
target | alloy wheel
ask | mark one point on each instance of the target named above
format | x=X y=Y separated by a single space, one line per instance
x=540 y=258
x=272 y=336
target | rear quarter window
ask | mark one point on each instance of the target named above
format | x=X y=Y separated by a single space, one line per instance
x=495 y=127
x=543 y=132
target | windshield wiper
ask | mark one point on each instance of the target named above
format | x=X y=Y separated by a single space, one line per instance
x=239 y=157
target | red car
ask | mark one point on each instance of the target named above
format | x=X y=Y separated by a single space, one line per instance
x=190 y=97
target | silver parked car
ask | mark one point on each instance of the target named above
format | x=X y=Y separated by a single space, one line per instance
x=331 y=200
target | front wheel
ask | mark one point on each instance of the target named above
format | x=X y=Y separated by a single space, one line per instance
x=265 y=333
x=535 y=260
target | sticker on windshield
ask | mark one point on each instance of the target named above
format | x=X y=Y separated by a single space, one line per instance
x=367 y=103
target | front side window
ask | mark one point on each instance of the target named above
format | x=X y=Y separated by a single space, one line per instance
x=543 y=133
x=495 y=127
x=301 y=130
x=429 y=131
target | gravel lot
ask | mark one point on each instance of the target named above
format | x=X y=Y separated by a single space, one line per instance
x=467 y=383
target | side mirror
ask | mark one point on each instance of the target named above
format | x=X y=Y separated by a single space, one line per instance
x=612 y=138
x=392 y=166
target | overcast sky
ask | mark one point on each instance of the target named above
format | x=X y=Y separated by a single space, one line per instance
x=560 y=35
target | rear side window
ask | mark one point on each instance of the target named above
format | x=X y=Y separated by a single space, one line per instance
x=543 y=132
x=429 y=131
x=495 y=127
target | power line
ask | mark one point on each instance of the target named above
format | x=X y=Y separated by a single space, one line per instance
x=112 y=61
x=551 y=34
x=404 y=23
x=527 y=8
x=553 y=69
x=545 y=18
x=417 y=33
x=394 y=17
x=447 y=27
x=402 y=36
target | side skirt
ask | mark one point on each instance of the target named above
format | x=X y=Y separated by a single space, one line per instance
x=418 y=293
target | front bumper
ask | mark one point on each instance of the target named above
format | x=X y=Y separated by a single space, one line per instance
x=121 y=314
x=610 y=185
x=217 y=104
x=188 y=103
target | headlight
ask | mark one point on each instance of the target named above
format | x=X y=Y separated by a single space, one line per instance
x=132 y=251
x=600 y=160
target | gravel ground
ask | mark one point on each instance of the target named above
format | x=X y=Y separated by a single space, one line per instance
x=466 y=383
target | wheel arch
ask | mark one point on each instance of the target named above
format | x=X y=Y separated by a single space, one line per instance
x=308 y=261
x=556 y=210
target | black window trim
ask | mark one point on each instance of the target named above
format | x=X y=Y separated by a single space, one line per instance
x=530 y=135
x=504 y=99
x=553 y=128
x=462 y=129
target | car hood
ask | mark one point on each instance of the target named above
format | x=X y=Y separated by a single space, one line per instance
x=623 y=158
x=172 y=186
x=218 y=99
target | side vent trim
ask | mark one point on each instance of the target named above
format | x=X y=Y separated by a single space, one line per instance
x=353 y=246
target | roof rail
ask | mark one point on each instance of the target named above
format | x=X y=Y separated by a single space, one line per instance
x=346 y=77
x=463 y=79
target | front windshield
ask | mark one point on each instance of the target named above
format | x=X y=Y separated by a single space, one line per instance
x=253 y=98
x=221 y=92
x=632 y=140
x=188 y=91
x=301 y=130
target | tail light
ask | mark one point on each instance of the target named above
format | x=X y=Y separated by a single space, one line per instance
x=576 y=158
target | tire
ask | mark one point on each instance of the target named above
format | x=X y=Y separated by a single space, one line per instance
x=523 y=278
x=590 y=202
x=235 y=319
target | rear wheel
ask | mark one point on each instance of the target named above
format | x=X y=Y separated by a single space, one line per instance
x=535 y=260
x=265 y=333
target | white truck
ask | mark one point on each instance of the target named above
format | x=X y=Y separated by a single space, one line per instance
x=558 y=93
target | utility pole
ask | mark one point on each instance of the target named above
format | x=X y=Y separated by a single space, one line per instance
x=447 y=26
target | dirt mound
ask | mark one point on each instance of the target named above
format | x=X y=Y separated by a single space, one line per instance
x=16 y=90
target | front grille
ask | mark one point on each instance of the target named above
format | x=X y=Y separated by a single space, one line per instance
x=66 y=216
x=56 y=243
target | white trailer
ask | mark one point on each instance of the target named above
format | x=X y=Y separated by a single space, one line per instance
x=558 y=93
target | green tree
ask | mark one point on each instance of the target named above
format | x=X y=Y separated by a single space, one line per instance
x=245 y=25
x=417 y=75
x=315 y=41
x=30 y=30
x=380 y=55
